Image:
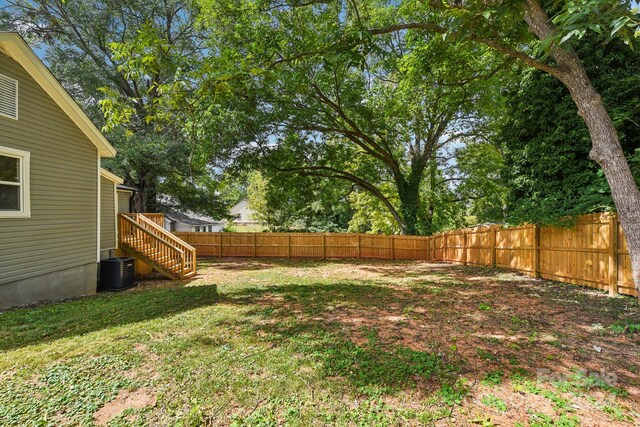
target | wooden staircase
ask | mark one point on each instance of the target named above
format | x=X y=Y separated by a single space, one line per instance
x=147 y=241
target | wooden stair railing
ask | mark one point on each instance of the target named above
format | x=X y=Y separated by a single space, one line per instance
x=189 y=251
x=147 y=241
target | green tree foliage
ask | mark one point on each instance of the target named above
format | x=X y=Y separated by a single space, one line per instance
x=293 y=203
x=372 y=114
x=138 y=58
x=542 y=35
x=548 y=170
x=480 y=167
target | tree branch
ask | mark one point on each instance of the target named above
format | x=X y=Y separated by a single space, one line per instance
x=506 y=50
x=333 y=173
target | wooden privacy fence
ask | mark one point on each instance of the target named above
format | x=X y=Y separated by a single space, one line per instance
x=593 y=253
x=308 y=245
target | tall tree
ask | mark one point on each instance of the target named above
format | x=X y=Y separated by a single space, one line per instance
x=479 y=167
x=540 y=34
x=131 y=52
x=293 y=203
x=373 y=116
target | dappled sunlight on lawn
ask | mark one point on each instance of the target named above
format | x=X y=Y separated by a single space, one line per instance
x=329 y=343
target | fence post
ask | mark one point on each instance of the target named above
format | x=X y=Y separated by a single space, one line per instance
x=393 y=247
x=536 y=250
x=428 y=248
x=288 y=246
x=464 y=247
x=324 y=246
x=613 y=255
x=358 y=247
x=254 y=245
x=444 y=246
x=494 y=232
x=220 y=253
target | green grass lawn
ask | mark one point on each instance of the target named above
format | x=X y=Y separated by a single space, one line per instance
x=261 y=343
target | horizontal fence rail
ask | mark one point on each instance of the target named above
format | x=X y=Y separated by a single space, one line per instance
x=592 y=253
x=307 y=245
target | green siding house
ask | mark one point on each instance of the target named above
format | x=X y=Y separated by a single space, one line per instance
x=58 y=208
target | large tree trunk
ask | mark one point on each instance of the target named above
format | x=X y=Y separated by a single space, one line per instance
x=607 y=152
x=409 y=207
x=150 y=193
x=409 y=195
x=433 y=168
x=145 y=199
x=606 y=149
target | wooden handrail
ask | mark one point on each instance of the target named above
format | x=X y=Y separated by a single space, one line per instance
x=158 y=218
x=141 y=218
x=171 y=248
x=189 y=251
x=165 y=232
x=144 y=230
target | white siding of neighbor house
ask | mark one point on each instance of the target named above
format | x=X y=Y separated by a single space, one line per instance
x=180 y=226
x=62 y=231
x=242 y=211
x=211 y=228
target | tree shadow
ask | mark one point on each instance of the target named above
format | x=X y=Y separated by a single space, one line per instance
x=398 y=268
x=384 y=339
x=309 y=319
x=252 y=264
x=235 y=264
x=36 y=325
x=311 y=298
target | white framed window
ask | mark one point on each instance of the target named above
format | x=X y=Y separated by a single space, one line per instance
x=15 y=199
x=8 y=97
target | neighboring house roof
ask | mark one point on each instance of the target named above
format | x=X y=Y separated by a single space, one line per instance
x=189 y=218
x=242 y=205
x=111 y=177
x=14 y=46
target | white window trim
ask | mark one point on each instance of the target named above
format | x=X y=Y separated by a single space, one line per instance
x=17 y=108
x=25 y=185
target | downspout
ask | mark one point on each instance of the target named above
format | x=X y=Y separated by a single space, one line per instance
x=99 y=196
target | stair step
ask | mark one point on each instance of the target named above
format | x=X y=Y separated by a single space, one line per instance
x=175 y=266
x=149 y=248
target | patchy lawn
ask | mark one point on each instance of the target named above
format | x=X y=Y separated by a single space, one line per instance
x=257 y=342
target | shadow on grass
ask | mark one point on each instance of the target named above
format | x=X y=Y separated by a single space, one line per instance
x=251 y=264
x=435 y=268
x=235 y=264
x=36 y=325
x=293 y=316
x=317 y=297
x=345 y=328
x=371 y=367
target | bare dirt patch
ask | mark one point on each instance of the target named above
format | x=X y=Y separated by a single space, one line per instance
x=137 y=399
